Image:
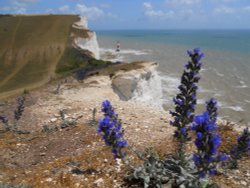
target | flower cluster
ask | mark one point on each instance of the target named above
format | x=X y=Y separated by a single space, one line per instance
x=110 y=127
x=212 y=110
x=4 y=119
x=20 y=108
x=207 y=141
x=5 y=122
x=8 y=126
x=242 y=147
x=185 y=101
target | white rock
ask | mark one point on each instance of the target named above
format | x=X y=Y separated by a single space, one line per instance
x=49 y=179
x=99 y=181
x=53 y=120
x=89 y=44
x=77 y=184
x=243 y=183
x=82 y=23
x=66 y=116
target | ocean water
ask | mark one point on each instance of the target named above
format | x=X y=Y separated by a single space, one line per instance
x=226 y=67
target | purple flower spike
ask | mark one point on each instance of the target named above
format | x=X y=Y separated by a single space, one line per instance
x=242 y=148
x=20 y=108
x=190 y=52
x=3 y=119
x=111 y=129
x=185 y=100
x=197 y=50
x=207 y=141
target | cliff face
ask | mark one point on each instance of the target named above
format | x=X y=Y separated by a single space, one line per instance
x=30 y=49
x=142 y=84
x=34 y=48
x=88 y=42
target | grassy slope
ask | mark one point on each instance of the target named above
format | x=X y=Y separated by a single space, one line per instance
x=30 y=48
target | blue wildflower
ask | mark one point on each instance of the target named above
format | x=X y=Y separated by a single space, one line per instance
x=198 y=143
x=207 y=143
x=201 y=119
x=196 y=159
x=212 y=109
x=185 y=100
x=210 y=127
x=242 y=148
x=222 y=157
x=112 y=130
x=202 y=174
x=20 y=108
x=199 y=136
x=212 y=172
x=208 y=158
x=183 y=130
x=3 y=119
x=197 y=50
x=215 y=140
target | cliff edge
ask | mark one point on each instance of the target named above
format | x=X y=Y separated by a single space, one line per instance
x=36 y=48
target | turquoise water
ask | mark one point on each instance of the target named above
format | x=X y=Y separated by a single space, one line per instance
x=225 y=73
x=225 y=40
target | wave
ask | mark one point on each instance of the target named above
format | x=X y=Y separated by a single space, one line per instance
x=126 y=51
x=218 y=73
x=150 y=91
x=242 y=85
x=233 y=107
x=112 y=55
x=236 y=108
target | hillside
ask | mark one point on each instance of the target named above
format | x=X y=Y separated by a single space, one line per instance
x=34 y=47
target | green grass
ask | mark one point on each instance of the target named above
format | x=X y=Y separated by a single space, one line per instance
x=71 y=59
x=74 y=59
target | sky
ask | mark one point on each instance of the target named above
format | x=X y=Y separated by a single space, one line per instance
x=142 y=14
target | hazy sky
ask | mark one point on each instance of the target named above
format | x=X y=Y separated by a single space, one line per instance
x=143 y=14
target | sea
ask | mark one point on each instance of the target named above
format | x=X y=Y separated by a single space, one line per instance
x=225 y=74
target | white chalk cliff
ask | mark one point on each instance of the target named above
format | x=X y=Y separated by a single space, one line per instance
x=90 y=43
x=143 y=84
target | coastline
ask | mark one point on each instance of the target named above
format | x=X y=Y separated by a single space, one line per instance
x=144 y=125
x=221 y=74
